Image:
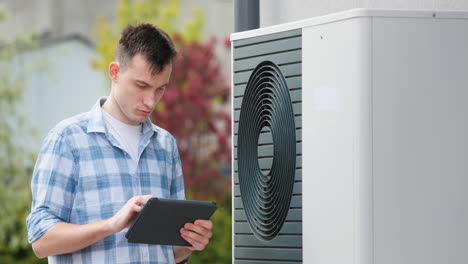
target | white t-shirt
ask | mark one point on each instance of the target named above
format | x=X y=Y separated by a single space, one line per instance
x=128 y=136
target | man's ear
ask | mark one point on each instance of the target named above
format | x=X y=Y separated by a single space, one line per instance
x=114 y=69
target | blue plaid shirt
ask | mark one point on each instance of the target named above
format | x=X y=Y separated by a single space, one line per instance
x=82 y=175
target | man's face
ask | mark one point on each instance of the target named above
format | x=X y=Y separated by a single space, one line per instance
x=136 y=90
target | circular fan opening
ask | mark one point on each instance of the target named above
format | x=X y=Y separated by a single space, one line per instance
x=266 y=150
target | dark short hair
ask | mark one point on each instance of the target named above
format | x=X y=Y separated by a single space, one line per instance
x=150 y=41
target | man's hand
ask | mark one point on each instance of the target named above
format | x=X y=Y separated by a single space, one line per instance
x=197 y=234
x=128 y=213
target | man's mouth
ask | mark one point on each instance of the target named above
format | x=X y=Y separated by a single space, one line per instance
x=144 y=112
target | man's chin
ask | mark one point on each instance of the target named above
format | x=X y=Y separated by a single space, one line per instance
x=140 y=121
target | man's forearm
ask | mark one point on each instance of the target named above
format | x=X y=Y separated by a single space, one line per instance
x=65 y=237
x=181 y=253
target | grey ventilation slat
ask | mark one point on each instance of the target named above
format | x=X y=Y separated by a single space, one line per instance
x=298 y=163
x=293 y=228
x=281 y=45
x=266 y=151
x=288 y=241
x=279 y=58
x=266 y=253
x=263 y=138
x=296 y=202
x=266 y=38
x=297 y=176
x=297 y=110
x=250 y=261
x=294 y=84
x=288 y=70
x=297 y=189
x=295 y=94
x=297 y=122
x=293 y=215
x=263 y=162
x=239 y=90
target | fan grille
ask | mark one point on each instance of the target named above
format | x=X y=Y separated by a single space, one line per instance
x=266 y=105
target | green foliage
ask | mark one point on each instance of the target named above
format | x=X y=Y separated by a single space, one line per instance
x=2 y=14
x=219 y=248
x=16 y=159
x=165 y=14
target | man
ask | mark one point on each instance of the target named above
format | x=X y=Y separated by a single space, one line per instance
x=95 y=170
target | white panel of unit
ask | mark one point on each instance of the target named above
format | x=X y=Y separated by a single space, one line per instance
x=337 y=157
x=384 y=136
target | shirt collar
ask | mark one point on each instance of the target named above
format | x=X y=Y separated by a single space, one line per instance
x=96 y=122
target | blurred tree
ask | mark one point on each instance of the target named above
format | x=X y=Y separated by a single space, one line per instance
x=16 y=160
x=194 y=111
x=194 y=108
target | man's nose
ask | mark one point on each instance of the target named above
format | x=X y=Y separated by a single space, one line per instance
x=149 y=101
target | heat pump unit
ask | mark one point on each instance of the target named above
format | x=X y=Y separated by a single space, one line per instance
x=350 y=135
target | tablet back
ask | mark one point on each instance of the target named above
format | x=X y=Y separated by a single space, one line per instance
x=160 y=220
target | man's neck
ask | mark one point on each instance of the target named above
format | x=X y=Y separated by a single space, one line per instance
x=111 y=107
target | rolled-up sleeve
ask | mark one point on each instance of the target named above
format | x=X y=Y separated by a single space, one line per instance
x=53 y=186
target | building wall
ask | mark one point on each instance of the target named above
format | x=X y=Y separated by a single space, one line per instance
x=59 y=83
x=56 y=17
x=273 y=12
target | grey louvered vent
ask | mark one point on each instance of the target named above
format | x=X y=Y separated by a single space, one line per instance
x=267 y=149
x=266 y=196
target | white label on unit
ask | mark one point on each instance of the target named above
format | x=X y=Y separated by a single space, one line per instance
x=326 y=98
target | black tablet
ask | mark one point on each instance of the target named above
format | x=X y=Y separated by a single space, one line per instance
x=160 y=220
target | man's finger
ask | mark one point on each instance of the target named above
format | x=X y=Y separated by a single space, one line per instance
x=142 y=200
x=195 y=244
x=191 y=234
x=136 y=208
x=205 y=223
x=147 y=197
x=196 y=228
x=203 y=239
